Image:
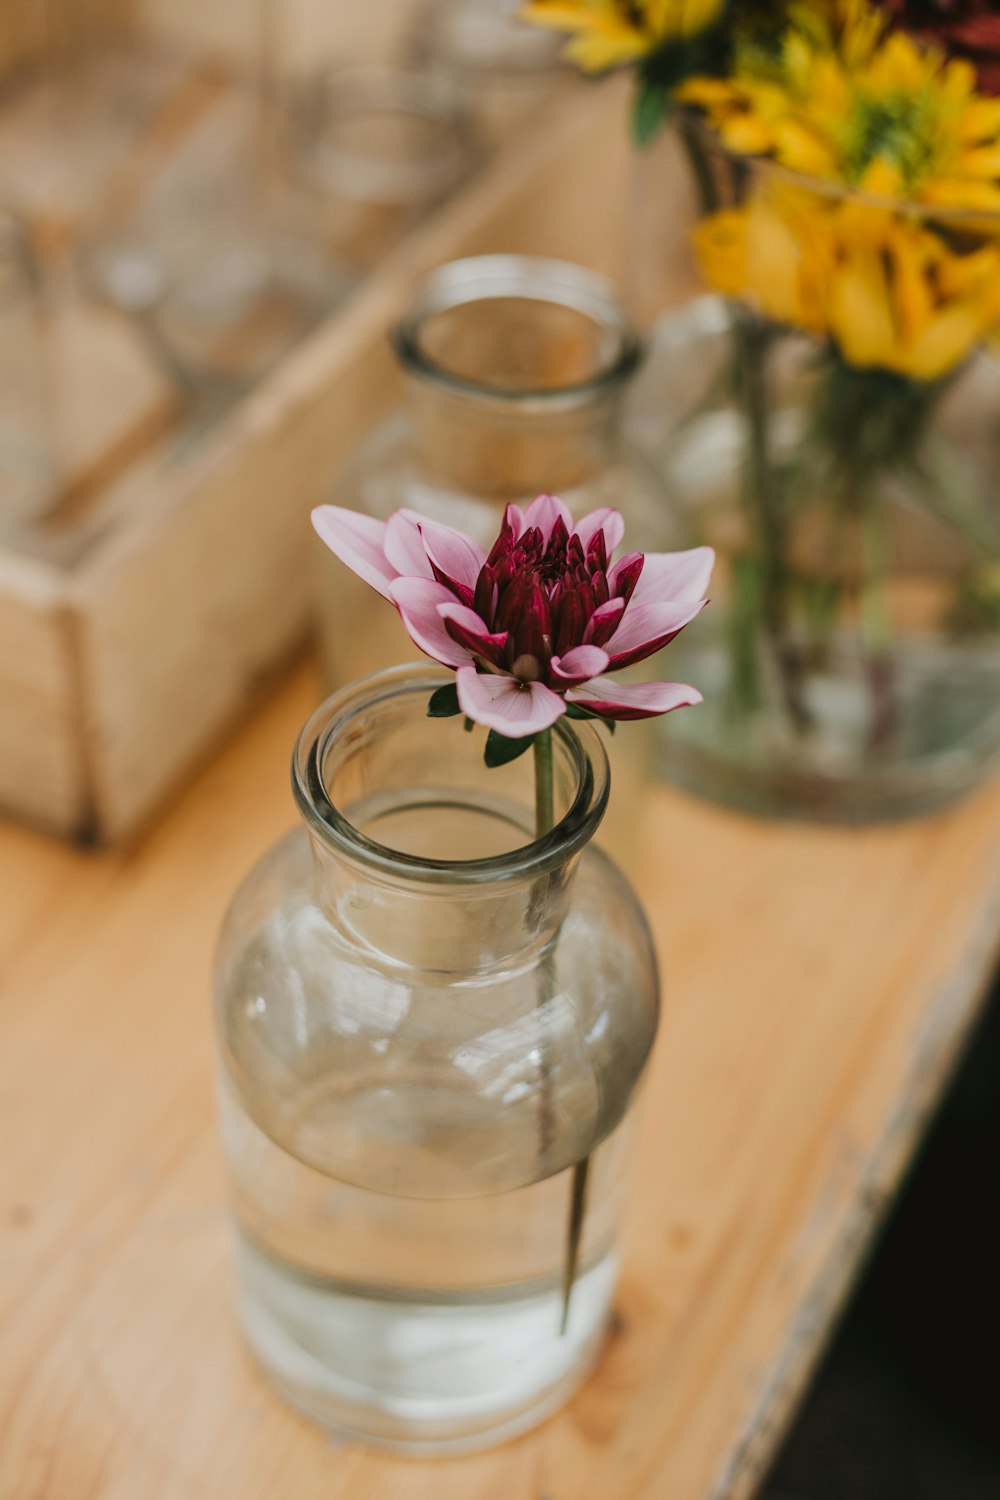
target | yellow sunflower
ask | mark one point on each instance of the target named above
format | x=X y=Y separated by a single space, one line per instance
x=609 y=33
x=886 y=288
x=846 y=100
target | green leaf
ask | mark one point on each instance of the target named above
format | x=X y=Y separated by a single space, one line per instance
x=444 y=702
x=648 y=111
x=500 y=750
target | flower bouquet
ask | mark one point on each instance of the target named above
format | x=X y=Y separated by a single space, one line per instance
x=833 y=417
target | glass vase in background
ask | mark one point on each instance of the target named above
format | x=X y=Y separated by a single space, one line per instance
x=426 y=1019
x=839 y=448
x=378 y=149
x=499 y=68
x=513 y=373
x=211 y=247
x=29 y=477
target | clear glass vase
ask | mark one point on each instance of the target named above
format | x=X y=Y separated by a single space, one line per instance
x=378 y=149
x=426 y=1021
x=214 y=249
x=514 y=374
x=496 y=64
x=831 y=425
x=850 y=657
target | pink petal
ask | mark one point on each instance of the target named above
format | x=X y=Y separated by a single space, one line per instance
x=502 y=703
x=578 y=665
x=544 y=512
x=646 y=628
x=359 y=541
x=604 y=621
x=617 y=568
x=681 y=576
x=466 y=627
x=607 y=520
x=513 y=517
x=417 y=600
x=456 y=556
x=633 y=700
x=403 y=546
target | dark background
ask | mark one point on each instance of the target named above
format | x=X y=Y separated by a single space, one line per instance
x=906 y=1405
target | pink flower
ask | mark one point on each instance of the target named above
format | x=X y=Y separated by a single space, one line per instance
x=540 y=621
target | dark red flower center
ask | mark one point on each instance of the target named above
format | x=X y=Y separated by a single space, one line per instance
x=540 y=599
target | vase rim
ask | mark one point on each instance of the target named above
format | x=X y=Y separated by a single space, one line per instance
x=560 y=283
x=334 y=718
x=367 y=174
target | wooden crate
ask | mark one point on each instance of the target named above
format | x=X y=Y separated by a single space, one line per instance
x=137 y=625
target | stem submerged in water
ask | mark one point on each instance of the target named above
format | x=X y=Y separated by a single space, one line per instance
x=544 y=823
x=765 y=512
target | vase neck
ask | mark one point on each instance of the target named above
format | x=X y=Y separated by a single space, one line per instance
x=516 y=368
x=423 y=856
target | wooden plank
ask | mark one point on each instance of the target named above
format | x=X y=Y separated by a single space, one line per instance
x=199 y=589
x=42 y=776
x=310 y=33
x=818 y=983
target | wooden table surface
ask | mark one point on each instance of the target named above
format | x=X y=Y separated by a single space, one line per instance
x=817 y=987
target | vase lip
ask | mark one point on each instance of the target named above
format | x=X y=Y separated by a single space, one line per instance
x=338 y=97
x=334 y=718
x=561 y=283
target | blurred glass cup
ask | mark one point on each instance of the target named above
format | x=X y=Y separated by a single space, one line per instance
x=28 y=470
x=379 y=148
x=213 y=250
x=498 y=66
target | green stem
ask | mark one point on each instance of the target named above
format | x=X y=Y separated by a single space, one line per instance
x=544 y=823
x=544 y=786
x=764 y=510
x=574 y=1233
x=701 y=167
x=876 y=624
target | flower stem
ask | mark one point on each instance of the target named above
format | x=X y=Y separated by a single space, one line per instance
x=876 y=627
x=701 y=168
x=544 y=823
x=544 y=788
x=764 y=511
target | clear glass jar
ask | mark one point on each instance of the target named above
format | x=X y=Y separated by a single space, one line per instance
x=496 y=64
x=426 y=1020
x=378 y=149
x=515 y=372
x=850 y=659
x=214 y=249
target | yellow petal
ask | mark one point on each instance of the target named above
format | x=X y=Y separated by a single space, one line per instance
x=981 y=162
x=979 y=120
x=720 y=250
x=946 y=341
x=596 y=54
x=747 y=136
x=796 y=146
x=881 y=179
x=960 y=193
x=913 y=297
x=861 y=320
x=668 y=18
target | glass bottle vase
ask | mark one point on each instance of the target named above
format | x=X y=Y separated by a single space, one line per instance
x=850 y=658
x=514 y=374
x=427 y=1020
